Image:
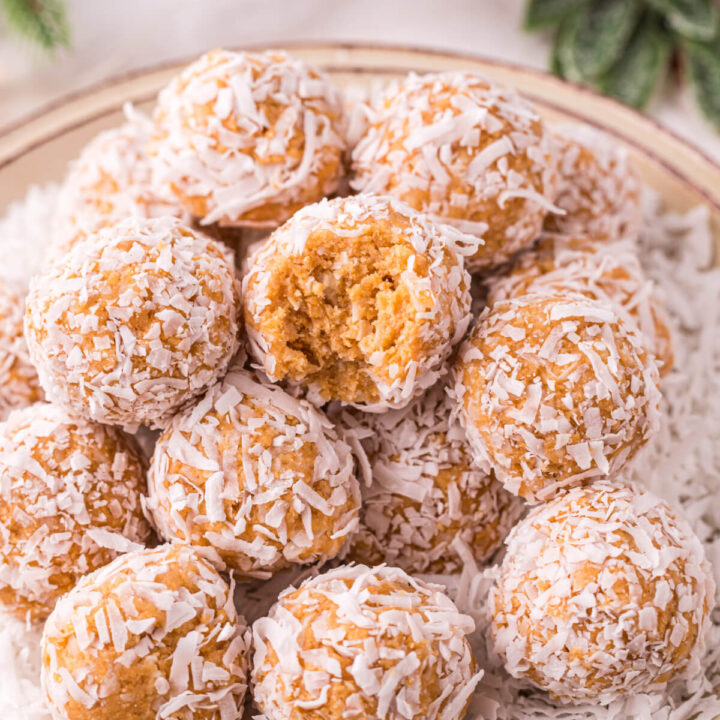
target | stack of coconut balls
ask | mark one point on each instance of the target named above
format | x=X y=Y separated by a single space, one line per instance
x=458 y=354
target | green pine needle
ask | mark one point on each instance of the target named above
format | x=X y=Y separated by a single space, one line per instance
x=603 y=32
x=693 y=19
x=563 y=56
x=546 y=13
x=43 y=22
x=704 y=71
x=624 y=48
x=638 y=71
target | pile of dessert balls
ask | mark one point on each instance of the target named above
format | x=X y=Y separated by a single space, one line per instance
x=391 y=339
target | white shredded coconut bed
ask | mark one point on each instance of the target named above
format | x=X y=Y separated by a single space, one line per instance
x=682 y=465
x=25 y=233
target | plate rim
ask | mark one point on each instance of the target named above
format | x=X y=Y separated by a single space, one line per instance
x=117 y=79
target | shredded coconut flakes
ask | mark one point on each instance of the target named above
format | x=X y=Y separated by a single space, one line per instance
x=681 y=464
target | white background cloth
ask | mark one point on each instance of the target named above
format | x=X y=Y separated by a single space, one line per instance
x=111 y=37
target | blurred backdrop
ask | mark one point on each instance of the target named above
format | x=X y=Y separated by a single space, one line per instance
x=110 y=38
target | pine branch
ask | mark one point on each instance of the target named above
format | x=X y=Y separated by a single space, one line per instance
x=43 y=22
x=625 y=47
x=704 y=71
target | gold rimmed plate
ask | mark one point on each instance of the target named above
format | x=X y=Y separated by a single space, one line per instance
x=38 y=148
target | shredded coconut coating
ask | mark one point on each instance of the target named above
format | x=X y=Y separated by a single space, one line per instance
x=555 y=390
x=19 y=384
x=604 y=591
x=427 y=508
x=138 y=320
x=25 y=232
x=248 y=138
x=363 y=642
x=70 y=502
x=152 y=635
x=466 y=151
x=602 y=270
x=254 y=478
x=109 y=182
x=357 y=299
x=598 y=189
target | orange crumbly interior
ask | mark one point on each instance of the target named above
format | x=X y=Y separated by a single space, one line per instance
x=343 y=300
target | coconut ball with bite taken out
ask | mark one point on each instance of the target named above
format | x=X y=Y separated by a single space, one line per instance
x=254 y=478
x=427 y=508
x=606 y=271
x=359 y=300
x=138 y=319
x=109 y=182
x=154 y=634
x=555 y=390
x=363 y=642
x=467 y=152
x=598 y=190
x=247 y=139
x=19 y=384
x=70 y=502
x=603 y=592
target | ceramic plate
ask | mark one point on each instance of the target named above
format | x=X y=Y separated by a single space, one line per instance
x=37 y=149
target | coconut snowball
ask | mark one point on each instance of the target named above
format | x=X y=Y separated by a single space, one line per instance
x=154 y=634
x=70 y=502
x=363 y=642
x=466 y=151
x=139 y=319
x=248 y=138
x=254 y=478
x=357 y=299
x=109 y=182
x=19 y=384
x=555 y=390
x=598 y=189
x=603 y=592
x=427 y=508
x=606 y=271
